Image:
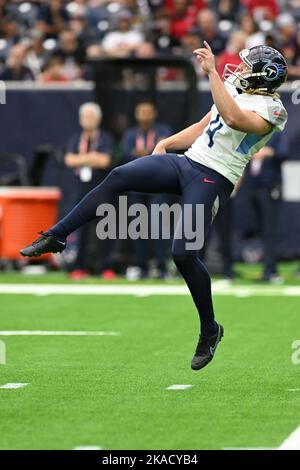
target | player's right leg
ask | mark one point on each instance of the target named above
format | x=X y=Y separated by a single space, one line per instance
x=151 y=174
x=209 y=190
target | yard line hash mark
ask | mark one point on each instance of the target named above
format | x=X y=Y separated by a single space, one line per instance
x=179 y=387
x=14 y=385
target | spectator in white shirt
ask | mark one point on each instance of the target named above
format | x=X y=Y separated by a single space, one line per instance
x=124 y=40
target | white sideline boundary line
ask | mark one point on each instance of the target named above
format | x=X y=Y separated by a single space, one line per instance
x=292 y=442
x=57 y=333
x=219 y=288
x=13 y=386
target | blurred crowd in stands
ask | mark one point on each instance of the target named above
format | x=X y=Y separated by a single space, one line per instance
x=53 y=40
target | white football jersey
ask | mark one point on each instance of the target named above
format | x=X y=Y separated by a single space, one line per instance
x=227 y=150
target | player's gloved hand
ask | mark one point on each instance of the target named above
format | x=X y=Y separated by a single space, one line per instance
x=206 y=58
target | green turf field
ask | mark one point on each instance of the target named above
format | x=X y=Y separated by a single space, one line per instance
x=110 y=391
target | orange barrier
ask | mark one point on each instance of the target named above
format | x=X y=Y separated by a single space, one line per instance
x=24 y=212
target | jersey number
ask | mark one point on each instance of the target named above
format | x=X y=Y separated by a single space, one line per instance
x=214 y=126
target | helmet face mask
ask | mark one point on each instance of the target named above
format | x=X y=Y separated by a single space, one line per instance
x=266 y=70
x=232 y=74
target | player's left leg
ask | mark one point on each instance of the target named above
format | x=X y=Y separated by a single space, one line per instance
x=211 y=192
x=151 y=174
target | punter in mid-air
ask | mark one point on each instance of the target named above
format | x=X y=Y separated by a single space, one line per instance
x=245 y=114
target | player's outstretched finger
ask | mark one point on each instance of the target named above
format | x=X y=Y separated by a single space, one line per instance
x=207 y=45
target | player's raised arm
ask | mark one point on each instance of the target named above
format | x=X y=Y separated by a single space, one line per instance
x=231 y=113
x=184 y=138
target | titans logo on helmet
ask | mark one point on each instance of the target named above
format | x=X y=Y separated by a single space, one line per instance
x=272 y=71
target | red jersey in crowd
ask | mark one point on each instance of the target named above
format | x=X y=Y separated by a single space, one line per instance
x=268 y=7
x=183 y=21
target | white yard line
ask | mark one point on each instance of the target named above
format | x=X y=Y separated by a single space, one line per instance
x=292 y=442
x=112 y=289
x=14 y=385
x=219 y=288
x=179 y=387
x=57 y=333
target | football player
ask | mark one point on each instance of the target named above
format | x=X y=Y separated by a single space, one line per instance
x=245 y=114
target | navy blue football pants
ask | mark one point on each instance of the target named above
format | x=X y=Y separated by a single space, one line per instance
x=169 y=173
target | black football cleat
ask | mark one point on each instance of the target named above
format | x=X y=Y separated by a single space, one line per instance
x=44 y=244
x=206 y=348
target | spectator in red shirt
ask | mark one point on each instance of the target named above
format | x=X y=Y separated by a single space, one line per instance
x=260 y=9
x=183 y=13
x=231 y=54
x=198 y=4
x=53 y=71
